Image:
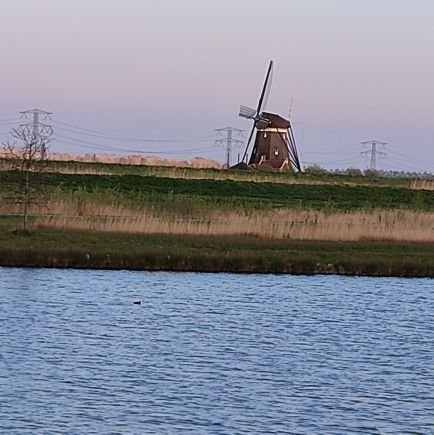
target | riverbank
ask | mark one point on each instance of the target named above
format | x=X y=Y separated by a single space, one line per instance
x=303 y=210
x=94 y=250
x=150 y=218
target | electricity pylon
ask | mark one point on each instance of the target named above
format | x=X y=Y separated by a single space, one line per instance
x=39 y=129
x=229 y=141
x=373 y=153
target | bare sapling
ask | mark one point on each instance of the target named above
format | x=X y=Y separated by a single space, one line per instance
x=26 y=154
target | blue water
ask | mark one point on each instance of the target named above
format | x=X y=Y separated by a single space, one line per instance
x=223 y=354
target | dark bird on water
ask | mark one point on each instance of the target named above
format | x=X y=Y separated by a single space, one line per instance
x=138 y=302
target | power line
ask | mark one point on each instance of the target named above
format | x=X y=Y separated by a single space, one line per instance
x=8 y=120
x=412 y=159
x=100 y=134
x=77 y=137
x=114 y=148
x=134 y=151
x=337 y=162
x=401 y=166
x=94 y=146
x=6 y=124
x=406 y=164
x=344 y=151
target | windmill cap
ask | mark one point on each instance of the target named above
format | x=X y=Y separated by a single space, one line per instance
x=276 y=121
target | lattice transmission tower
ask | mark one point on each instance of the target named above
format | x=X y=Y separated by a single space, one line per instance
x=373 y=153
x=39 y=130
x=229 y=141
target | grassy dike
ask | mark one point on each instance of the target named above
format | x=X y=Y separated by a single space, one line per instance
x=50 y=248
x=121 y=218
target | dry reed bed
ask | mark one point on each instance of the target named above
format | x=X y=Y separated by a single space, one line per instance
x=402 y=226
x=422 y=185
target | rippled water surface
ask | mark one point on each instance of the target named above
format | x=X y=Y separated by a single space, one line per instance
x=205 y=353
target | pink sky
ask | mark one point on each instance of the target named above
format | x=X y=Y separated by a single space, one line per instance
x=356 y=70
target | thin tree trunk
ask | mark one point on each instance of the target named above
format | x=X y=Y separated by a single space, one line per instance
x=26 y=200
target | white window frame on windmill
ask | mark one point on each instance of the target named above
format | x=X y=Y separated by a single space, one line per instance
x=273 y=130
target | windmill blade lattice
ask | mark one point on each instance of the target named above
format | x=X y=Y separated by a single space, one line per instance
x=246 y=112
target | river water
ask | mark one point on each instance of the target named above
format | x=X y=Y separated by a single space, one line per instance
x=214 y=353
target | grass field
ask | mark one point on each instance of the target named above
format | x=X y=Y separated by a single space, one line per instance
x=159 y=205
x=142 y=217
x=215 y=174
x=135 y=189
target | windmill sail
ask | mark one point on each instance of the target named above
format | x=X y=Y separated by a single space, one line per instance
x=263 y=98
x=247 y=112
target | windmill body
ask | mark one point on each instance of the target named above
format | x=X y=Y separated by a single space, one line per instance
x=270 y=149
x=274 y=146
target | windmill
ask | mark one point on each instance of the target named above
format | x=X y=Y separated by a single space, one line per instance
x=274 y=145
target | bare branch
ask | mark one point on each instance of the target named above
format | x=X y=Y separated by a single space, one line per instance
x=27 y=159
